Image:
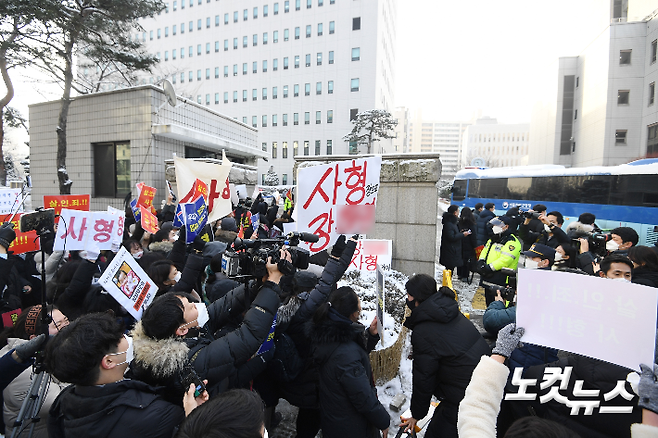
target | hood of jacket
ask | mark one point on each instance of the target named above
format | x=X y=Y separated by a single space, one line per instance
x=226 y=236
x=161 y=357
x=578 y=229
x=286 y=311
x=437 y=308
x=163 y=247
x=449 y=218
x=329 y=335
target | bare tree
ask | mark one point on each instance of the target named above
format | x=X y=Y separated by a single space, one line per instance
x=370 y=126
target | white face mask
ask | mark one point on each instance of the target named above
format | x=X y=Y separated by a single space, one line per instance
x=138 y=255
x=531 y=264
x=178 y=276
x=203 y=317
x=175 y=238
x=497 y=230
x=623 y=280
x=611 y=246
x=547 y=228
x=558 y=257
x=130 y=352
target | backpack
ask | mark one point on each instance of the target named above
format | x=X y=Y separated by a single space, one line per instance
x=286 y=364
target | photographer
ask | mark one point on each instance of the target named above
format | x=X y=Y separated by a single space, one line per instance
x=550 y=233
x=163 y=347
x=618 y=242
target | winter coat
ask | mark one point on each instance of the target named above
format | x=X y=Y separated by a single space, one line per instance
x=645 y=276
x=596 y=374
x=220 y=287
x=483 y=229
x=10 y=369
x=500 y=252
x=451 y=242
x=446 y=349
x=128 y=408
x=70 y=302
x=530 y=237
x=272 y=213
x=162 y=362
x=164 y=247
x=15 y=393
x=348 y=398
x=226 y=236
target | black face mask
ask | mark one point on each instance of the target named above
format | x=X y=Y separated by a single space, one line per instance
x=411 y=304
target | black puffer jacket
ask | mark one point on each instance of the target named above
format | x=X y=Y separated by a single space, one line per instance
x=160 y=362
x=596 y=375
x=70 y=302
x=483 y=228
x=451 y=242
x=348 y=398
x=645 y=276
x=129 y=408
x=447 y=347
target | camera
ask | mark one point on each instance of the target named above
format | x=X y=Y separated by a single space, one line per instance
x=596 y=242
x=530 y=214
x=248 y=258
x=40 y=220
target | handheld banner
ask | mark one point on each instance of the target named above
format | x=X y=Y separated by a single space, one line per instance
x=127 y=282
x=145 y=198
x=196 y=216
x=587 y=315
x=24 y=242
x=215 y=176
x=371 y=253
x=149 y=221
x=136 y=213
x=10 y=199
x=338 y=196
x=86 y=230
x=72 y=202
x=117 y=237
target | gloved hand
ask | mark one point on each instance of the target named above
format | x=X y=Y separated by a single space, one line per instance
x=509 y=338
x=339 y=246
x=30 y=348
x=648 y=388
x=355 y=237
x=198 y=244
x=7 y=234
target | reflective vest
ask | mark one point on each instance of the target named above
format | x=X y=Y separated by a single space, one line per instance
x=502 y=255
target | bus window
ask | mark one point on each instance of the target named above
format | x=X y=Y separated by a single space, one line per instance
x=637 y=190
x=459 y=190
x=474 y=188
x=494 y=188
x=518 y=187
x=546 y=189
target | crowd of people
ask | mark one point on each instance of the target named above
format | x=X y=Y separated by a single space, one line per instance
x=212 y=355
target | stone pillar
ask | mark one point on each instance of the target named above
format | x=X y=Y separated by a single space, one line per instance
x=407 y=207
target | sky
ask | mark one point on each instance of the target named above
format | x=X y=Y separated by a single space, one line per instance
x=454 y=58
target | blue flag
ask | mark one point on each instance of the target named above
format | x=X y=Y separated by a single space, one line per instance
x=136 y=213
x=178 y=217
x=195 y=215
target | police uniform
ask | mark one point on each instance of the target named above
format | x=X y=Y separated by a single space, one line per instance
x=499 y=255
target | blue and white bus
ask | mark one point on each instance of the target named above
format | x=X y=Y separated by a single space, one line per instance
x=619 y=196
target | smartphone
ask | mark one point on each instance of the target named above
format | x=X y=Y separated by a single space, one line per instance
x=192 y=377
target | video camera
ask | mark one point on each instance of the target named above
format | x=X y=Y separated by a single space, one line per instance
x=530 y=214
x=248 y=258
x=596 y=242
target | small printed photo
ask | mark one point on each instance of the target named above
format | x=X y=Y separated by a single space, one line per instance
x=126 y=279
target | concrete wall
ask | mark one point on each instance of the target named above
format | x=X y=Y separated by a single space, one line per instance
x=407 y=208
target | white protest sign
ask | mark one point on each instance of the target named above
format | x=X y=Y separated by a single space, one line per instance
x=337 y=198
x=234 y=194
x=87 y=230
x=10 y=201
x=215 y=176
x=241 y=191
x=369 y=253
x=117 y=237
x=127 y=282
x=289 y=227
x=592 y=316
x=380 y=302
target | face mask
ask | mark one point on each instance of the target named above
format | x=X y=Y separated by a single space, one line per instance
x=3 y=256
x=138 y=255
x=621 y=279
x=531 y=264
x=611 y=246
x=130 y=352
x=265 y=435
x=411 y=304
x=558 y=257
x=178 y=276
x=203 y=317
x=175 y=238
x=497 y=230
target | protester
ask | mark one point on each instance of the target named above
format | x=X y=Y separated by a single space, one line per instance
x=451 y=240
x=228 y=231
x=645 y=265
x=484 y=229
x=467 y=222
x=446 y=349
x=348 y=398
x=478 y=209
x=616 y=267
x=566 y=259
x=93 y=354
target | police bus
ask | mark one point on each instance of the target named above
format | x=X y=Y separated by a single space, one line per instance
x=619 y=196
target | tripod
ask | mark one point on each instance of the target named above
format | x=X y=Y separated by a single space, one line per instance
x=29 y=412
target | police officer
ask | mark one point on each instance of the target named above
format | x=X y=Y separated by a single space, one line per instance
x=500 y=252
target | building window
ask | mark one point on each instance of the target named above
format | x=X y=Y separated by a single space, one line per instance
x=297 y=61
x=264 y=93
x=225 y=45
x=274 y=120
x=235 y=43
x=295 y=119
x=298 y=5
x=275 y=92
x=275 y=64
x=254 y=121
x=284 y=179
x=182 y=77
x=295 y=148
x=356 y=23
x=216 y=46
x=225 y=96
x=216 y=20
x=254 y=67
x=198 y=49
x=159 y=33
x=264 y=121
x=652 y=141
x=652 y=92
x=182 y=28
x=264 y=147
x=166 y=31
x=207 y=48
x=620 y=136
x=235 y=69
x=285 y=120
x=296 y=33
x=111 y=181
x=216 y=72
x=173 y=54
x=318 y=88
x=207 y=22
x=623 y=97
x=173 y=29
x=226 y=71
x=175 y=5
x=286 y=6
x=284 y=150
x=307 y=89
x=286 y=34
x=151 y=35
x=275 y=36
x=254 y=94
x=575 y=114
x=207 y=99
x=226 y=18
x=244 y=95
x=274 y=149
x=264 y=66
x=285 y=63
x=332 y=27
x=166 y=55
x=330 y=87
x=654 y=46
x=356 y=53
x=255 y=39
x=207 y=73
x=308 y=60
x=318 y=117
x=255 y=12
x=307 y=118
x=319 y=58
x=317 y=147
x=319 y=29
x=245 y=14
x=308 y=4
x=245 y=41
x=330 y=116
x=265 y=10
x=331 y=57
x=354 y=84
x=244 y=119
x=625 y=57
x=198 y=24
x=276 y=9
x=353 y=148
x=330 y=147
x=235 y=96
x=190 y=76
x=308 y=31
x=353 y=113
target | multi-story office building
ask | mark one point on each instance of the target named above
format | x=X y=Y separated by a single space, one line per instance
x=298 y=70
x=443 y=137
x=599 y=108
x=401 y=140
x=488 y=143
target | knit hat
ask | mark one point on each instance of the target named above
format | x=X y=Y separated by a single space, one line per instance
x=305 y=280
x=228 y=224
x=7 y=235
